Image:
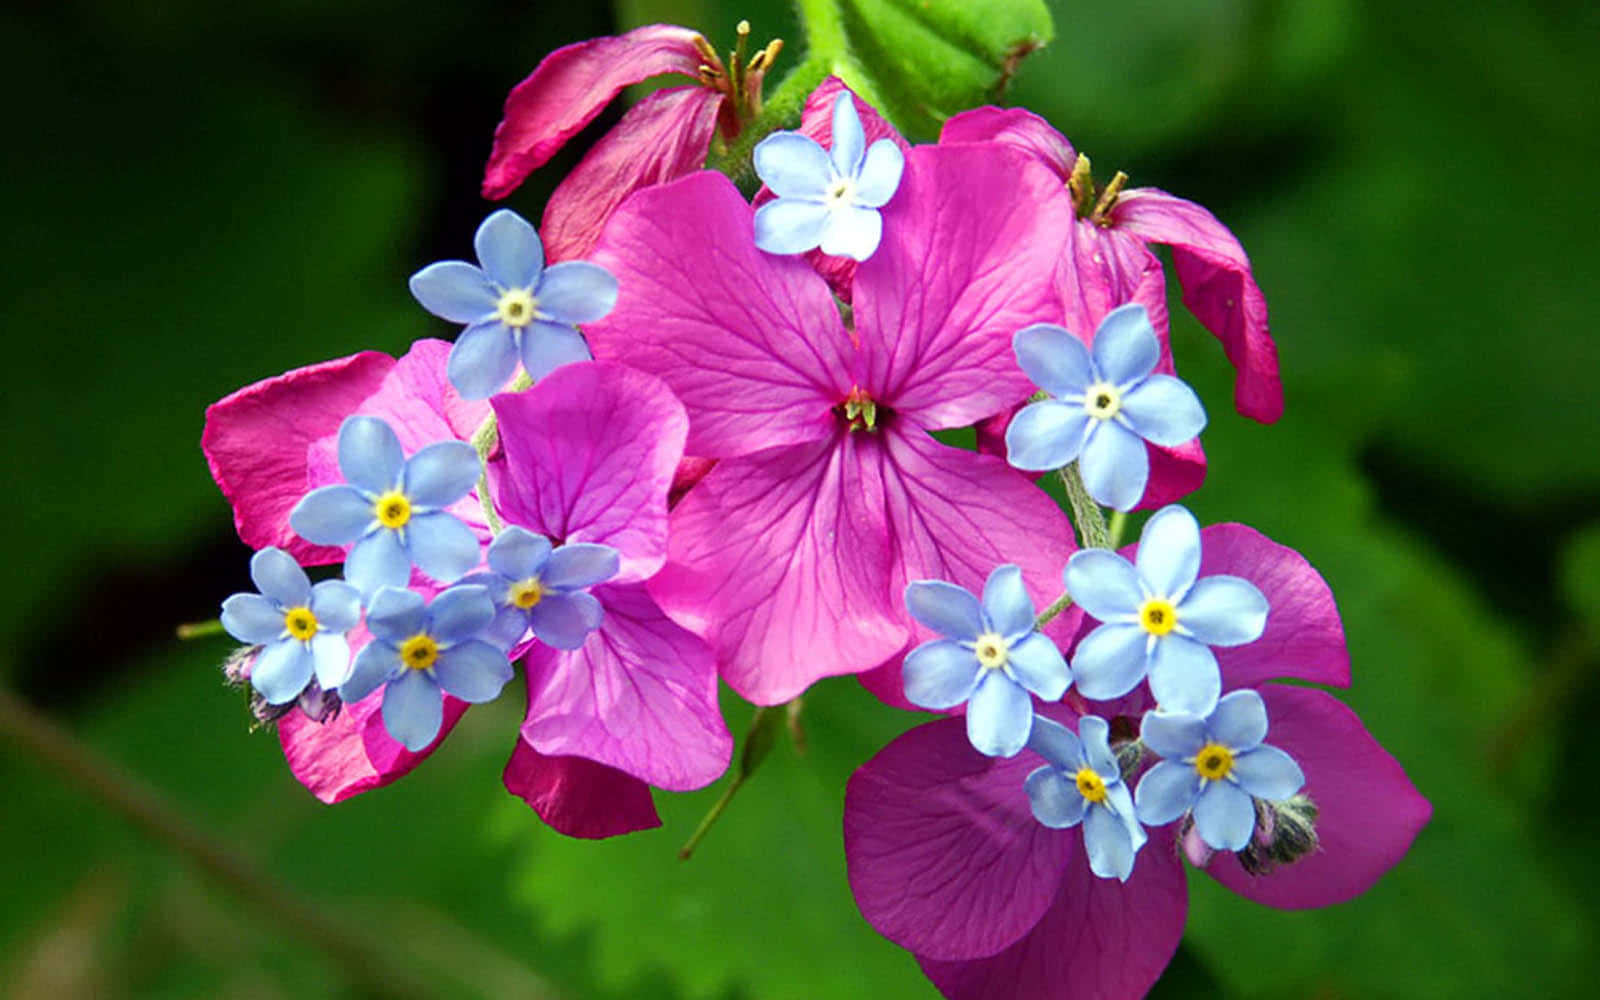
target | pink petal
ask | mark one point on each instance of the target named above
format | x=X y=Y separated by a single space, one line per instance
x=588 y=454
x=578 y=797
x=1099 y=938
x=660 y=139
x=970 y=246
x=570 y=86
x=1016 y=127
x=1218 y=288
x=353 y=752
x=640 y=695
x=943 y=853
x=1369 y=810
x=255 y=441
x=752 y=343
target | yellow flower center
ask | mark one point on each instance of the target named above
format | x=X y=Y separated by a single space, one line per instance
x=1102 y=401
x=526 y=593
x=419 y=652
x=1213 y=762
x=992 y=651
x=517 y=307
x=300 y=622
x=1158 y=616
x=1090 y=785
x=393 y=509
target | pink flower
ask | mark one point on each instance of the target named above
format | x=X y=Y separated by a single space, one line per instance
x=663 y=137
x=946 y=859
x=1109 y=245
x=829 y=495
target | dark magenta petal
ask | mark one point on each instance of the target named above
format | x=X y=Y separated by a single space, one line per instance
x=944 y=855
x=578 y=797
x=570 y=86
x=660 y=139
x=1369 y=810
x=588 y=454
x=1016 y=127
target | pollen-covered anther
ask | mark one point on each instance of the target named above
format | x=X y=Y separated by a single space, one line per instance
x=1102 y=401
x=1214 y=762
x=300 y=623
x=526 y=593
x=1090 y=785
x=992 y=651
x=517 y=307
x=419 y=652
x=1158 y=616
x=392 y=510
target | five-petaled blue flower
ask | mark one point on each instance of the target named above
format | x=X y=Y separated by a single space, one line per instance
x=1083 y=784
x=1160 y=621
x=1106 y=405
x=991 y=657
x=1217 y=766
x=300 y=628
x=419 y=651
x=392 y=508
x=826 y=199
x=543 y=588
x=515 y=307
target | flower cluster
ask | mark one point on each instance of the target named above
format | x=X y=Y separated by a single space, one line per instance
x=719 y=461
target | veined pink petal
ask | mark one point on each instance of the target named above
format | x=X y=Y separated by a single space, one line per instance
x=639 y=695
x=1369 y=810
x=255 y=442
x=943 y=853
x=751 y=343
x=570 y=86
x=1015 y=127
x=1218 y=288
x=353 y=752
x=1099 y=938
x=970 y=249
x=660 y=139
x=587 y=455
x=578 y=797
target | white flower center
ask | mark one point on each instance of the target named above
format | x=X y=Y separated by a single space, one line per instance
x=992 y=651
x=517 y=307
x=840 y=193
x=1102 y=401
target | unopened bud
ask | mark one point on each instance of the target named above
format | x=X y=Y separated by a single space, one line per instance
x=236 y=668
x=319 y=705
x=265 y=712
x=1193 y=846
x=1285 y=832
x=1129 y=756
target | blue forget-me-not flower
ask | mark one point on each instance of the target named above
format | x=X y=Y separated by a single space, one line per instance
x=1082 y=783
x=300 y=628
x=537 y=586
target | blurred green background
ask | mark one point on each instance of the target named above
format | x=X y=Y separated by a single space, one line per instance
x=198 y=195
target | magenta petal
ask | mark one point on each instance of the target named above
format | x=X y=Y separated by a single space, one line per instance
x=640 y=695
x=353 y=752
x=578 y=797
x=1099 y=938
x=660 y=139
x=570 y=86
x=752 y=343
x=588 y=454
x=1218 y=288
x=936 y=327
x=1015 y=127
x=256 y=439
x=1369 y=810
x=943 y=853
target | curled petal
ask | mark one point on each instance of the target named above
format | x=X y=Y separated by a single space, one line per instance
x=1016 y=127
x=508 y=247
x=456 y=291
x=1095 y=733
x=577 y=796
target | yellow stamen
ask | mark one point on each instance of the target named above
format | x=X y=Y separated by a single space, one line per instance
x=517 y=307
x=393 y=510
x=1090 y=785
x=1214 y=762
x=300 y=622
x=526 y=593
x=1158 y=616
x=419 y=652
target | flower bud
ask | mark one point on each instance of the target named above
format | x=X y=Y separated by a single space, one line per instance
x=1193 y=846
x=236 y=668
x=319 y=705
x=1285 y=832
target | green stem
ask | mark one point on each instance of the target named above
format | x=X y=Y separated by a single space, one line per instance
x=1119 y=524
x=1049 y=614
x=1086 y=514
x=710 y=818
x=200 y=630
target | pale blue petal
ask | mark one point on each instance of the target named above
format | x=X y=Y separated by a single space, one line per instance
x=1224 y=816
x=1006 y=602
x=548 y=346
x=509 y=249
x=576 y=291
x=253 y=619
x=375 y=664
x=1110 y=661
x=565 y=620
x=880 y=174
x=378 y=560
x=482 y=359
x=1056 y=743
x=848 y=137
x=580 y=564
x=1046 y=435
x=456 y=291
x=792 y=165
x=1164 y=411
x=940 y=674
x=370 y=457
x=1239 y=722
x=395 y=614
x=332 y=515
x=1166 y=792
x=1115 y=466
x=1268 y=773
x=1224 y=611
x=1095 y=733
x=442 y=545
x=1125 y=346
x=851 y=231
x=517 y=553
x=1054 y=798
x=1054 y=359
x=1120 y=799
x=441 y=474
x=280 y=578
x=999 y=716
x=337 y=606
x=1039 y=666
x=473 y=671
x=413 y=709
x=282 y=670
x=946 y=608
x=1169 y=552
x=789 y=225
x=1184 y=676
x=459 y=614
x=1104 y=584
x=1173 y=735
x=330 y=654
x=509 y=627
x=1106 y=840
